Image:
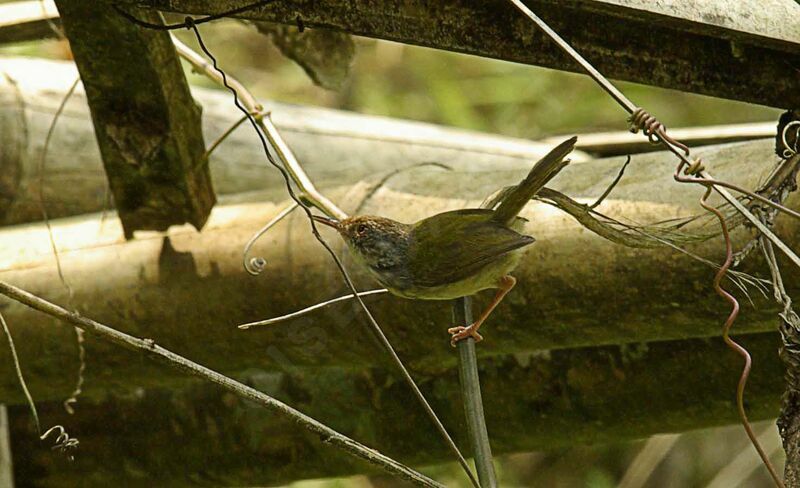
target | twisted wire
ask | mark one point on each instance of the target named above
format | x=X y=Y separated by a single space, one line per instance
x=733 y=345
x=650 y=126
x=63 y=442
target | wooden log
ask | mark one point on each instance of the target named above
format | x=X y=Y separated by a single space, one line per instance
x=738 y=50
x=575 y=288
x=187 y=291
x=146 y=122
x=540 y=401
x=335 y=147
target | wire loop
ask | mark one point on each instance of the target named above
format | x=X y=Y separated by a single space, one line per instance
x=64 y=443
x=695 y=168
x=790 y=150
x=642 y=120
x=254 y=266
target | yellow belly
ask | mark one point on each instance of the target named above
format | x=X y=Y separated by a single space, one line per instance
x=488 y=277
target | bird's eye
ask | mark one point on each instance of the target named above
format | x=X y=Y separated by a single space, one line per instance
x=361 y=229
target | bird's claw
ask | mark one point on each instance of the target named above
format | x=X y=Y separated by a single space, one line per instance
x=461 y=332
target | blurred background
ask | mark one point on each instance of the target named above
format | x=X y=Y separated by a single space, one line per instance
x=422 y=84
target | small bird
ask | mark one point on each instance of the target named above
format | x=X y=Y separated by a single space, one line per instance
x=452 y=254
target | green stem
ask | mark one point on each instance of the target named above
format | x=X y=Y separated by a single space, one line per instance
x=471 y=394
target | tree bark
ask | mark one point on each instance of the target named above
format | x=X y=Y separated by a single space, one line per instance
x=789 y=419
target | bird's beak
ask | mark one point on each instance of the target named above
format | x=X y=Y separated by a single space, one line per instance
x=325 y=220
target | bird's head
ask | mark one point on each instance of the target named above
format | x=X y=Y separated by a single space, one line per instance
x=379 y=242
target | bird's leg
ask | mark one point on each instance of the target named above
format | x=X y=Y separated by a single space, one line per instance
x=458 y=333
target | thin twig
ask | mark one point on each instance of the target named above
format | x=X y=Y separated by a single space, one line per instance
x=223 y=136
x=63 y=443
x=471 y=396
x=151 y=349
x=73 y=397
x=264 y=128
x=388 y=176
x=647 y=460
x=255 y=266
x=20 y=377
x=53 y=27
x=76 y=392
x=42 y=204
x=744 y=464
x=310 y=309
x=612 y=185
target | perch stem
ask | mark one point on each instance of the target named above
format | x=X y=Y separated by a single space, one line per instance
x=471 y=394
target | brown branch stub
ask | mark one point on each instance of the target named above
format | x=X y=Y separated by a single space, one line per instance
x=146 y=122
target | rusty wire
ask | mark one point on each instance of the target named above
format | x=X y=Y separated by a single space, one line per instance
x=655 y=131
x=733 y=345
x=642 y=120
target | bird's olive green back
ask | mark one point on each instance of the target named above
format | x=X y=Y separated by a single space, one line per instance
x=452 y=246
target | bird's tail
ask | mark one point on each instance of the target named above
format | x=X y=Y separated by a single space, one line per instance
x=542 y=172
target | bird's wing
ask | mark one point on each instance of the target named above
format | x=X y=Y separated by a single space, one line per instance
x=452 y=246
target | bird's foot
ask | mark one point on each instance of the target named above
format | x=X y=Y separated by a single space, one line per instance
x=461 y=333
